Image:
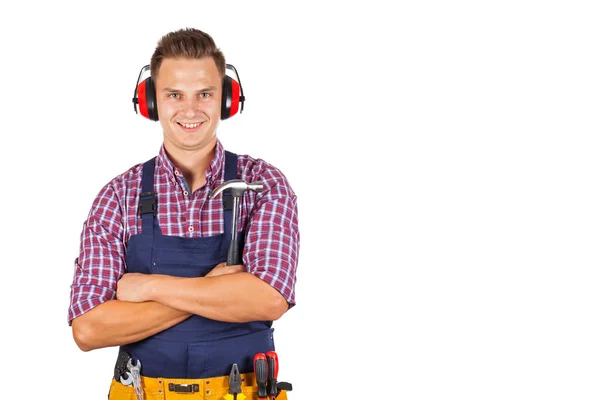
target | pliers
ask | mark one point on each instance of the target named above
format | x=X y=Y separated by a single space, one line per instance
x=235 y=385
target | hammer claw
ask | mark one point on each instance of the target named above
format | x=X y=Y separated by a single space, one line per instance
x=237 y=187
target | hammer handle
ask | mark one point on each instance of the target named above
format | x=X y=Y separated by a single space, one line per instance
x=233 y=254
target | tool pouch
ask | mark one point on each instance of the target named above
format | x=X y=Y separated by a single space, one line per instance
x=171 y=389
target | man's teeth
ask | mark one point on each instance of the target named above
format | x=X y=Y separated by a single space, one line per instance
x=189 y=126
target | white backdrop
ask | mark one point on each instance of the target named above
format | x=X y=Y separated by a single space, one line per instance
x=445 y=158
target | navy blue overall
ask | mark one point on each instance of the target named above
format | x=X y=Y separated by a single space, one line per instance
x=197 y=347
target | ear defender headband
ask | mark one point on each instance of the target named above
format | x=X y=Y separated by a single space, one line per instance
x=144 y=96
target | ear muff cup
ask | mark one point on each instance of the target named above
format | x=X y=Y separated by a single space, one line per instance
x=146 y=99
x=230 y=103
x=230 y=100
x=151 y=100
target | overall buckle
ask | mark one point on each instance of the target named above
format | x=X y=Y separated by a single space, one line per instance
x=147 y=203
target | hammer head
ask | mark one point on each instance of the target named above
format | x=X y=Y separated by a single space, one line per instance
x=237 y=187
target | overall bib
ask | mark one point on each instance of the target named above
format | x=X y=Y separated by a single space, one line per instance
x=198 y=348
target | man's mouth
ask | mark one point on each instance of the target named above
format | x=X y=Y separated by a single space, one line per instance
x=189 y=126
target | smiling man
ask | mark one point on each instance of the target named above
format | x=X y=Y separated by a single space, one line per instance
x=151 y=276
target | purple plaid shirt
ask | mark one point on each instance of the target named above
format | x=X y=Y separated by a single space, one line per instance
x=270 y=217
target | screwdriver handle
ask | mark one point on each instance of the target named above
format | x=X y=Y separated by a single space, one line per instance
x=273 y=363
x=260 y=370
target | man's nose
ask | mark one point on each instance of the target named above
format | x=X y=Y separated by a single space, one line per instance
x=191 y=106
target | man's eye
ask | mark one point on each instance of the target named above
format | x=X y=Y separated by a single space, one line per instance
x=204 y=95
x=174 y=95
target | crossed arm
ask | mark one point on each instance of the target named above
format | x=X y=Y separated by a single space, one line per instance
x=145 y=304
x=148 y=304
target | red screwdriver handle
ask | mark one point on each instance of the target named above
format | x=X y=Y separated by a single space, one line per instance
x=260 y=370
x=273 y=363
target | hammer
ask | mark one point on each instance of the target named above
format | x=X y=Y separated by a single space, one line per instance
x=237 y=188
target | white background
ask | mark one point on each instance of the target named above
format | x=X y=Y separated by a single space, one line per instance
x=445 y=158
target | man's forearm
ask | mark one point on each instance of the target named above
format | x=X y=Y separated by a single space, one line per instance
x=116 y=322
x=239 y=297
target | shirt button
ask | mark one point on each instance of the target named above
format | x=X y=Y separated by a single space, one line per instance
x=191 y=229
x=185 y=193
x=176 y=172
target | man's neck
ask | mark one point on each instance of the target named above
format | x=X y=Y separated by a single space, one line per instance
x=192 y=163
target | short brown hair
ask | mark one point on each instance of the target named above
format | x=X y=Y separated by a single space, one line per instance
x=186 y=43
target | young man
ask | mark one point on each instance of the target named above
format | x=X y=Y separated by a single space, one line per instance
x=151 y=275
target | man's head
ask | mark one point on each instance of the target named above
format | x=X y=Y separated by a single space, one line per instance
x=188 y=70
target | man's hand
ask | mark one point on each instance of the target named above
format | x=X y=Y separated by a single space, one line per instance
x=224 y=269
x=134 y=287
x=137 y=288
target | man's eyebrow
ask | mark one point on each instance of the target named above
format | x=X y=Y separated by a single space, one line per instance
x=206 y=89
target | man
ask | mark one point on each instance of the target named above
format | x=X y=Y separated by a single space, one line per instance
x=151 y=275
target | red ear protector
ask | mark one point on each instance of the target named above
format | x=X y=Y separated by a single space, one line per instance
x=144 y=96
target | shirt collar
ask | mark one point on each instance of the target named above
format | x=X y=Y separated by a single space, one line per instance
x=213 y=172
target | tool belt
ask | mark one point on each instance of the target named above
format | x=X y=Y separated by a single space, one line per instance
x=188 y=389
x=129 y=384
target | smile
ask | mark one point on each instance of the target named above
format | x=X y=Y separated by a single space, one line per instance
x=190 y=126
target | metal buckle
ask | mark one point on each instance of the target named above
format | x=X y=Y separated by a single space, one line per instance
x=184 y=388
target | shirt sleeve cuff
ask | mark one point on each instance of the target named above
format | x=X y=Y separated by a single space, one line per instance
x=84 y=298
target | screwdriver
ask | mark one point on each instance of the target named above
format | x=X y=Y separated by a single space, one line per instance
x=273 y=364
x=260 y=370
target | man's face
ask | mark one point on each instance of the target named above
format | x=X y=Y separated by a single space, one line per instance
x=188 y=96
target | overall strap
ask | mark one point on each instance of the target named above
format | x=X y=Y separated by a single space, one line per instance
x=230 y=173
x=147 y=202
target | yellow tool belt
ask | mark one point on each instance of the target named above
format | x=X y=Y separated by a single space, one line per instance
x=207 y=389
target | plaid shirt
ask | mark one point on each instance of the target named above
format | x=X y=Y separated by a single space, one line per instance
x=272 y=237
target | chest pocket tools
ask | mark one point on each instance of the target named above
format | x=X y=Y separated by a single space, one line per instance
x=235 y=385
x=237 y=188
